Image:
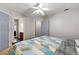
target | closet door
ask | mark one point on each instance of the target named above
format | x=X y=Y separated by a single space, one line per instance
x=38 y=22
x=44 y=27
x=4 y=31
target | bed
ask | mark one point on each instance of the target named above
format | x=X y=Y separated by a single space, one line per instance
x=44 y=45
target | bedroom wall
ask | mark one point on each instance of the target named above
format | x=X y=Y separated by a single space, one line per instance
x=65 y=24
x=20 y=18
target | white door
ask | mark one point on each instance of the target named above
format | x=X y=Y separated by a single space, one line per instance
x=4 y=31
x=38 y=25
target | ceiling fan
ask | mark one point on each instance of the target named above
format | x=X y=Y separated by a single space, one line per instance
x=38 y=9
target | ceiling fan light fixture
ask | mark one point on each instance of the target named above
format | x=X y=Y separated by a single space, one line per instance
x=39 y=12
x=36 y=12
x=39 y=9
x=40 y=5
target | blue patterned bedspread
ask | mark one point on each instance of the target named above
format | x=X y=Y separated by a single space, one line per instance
x=44 y=45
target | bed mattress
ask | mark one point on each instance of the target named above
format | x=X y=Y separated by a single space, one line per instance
x=44 y=45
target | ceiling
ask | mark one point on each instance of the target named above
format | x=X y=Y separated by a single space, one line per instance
x=49 y=8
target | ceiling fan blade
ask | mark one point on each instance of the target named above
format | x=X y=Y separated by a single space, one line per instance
x=36 y=9
x=39 y=12
x=42 y=12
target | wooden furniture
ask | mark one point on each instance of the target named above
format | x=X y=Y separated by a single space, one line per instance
x=21 y=35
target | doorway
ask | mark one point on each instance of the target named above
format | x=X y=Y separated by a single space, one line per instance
x=16 y=30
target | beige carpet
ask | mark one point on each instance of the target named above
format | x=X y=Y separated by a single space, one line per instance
x=4 y=52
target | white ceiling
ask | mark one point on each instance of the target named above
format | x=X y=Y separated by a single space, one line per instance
x=25 y=8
